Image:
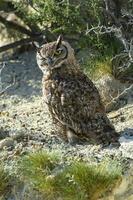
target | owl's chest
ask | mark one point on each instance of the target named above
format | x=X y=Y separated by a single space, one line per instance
x=53 y=91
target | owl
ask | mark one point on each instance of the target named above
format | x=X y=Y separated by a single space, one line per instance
x=72 y=99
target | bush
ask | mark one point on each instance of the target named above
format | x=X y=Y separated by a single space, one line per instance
x=69 y=17
x=65 y=16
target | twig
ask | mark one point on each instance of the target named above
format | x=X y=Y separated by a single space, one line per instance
x=131 y=50
x=114 y=100
x=5 y=89
x=1 y=69
x=30 y=2
x=101 y=30
x=2 y=91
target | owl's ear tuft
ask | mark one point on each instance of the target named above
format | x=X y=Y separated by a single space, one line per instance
x=59 y=41
x=36 y=45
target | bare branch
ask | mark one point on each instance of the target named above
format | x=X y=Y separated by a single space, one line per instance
x=1 y=69
x=30 y=2
x=118 y=97
x=16 y=26
x=120 y=63
x=101 y=30
x=18 y=43
x=131 y=50
x=5 y=89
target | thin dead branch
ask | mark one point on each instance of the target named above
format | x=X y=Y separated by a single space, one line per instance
x=1 y=69
x=30 y=2
x=118 y=97
x=2 y=91
x=131 y=50
x=102 y=30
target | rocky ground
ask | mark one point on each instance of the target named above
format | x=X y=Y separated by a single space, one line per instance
x=25 y=124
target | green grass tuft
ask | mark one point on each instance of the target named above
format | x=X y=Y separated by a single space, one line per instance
x=77 y=181
x=99 y=63
x=4 y=181
x=36 y=167
x=94 y=180
x=97 y=67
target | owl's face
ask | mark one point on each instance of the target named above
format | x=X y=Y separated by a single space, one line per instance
x=51 y=55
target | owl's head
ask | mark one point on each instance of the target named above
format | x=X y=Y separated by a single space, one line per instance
x=52 y=55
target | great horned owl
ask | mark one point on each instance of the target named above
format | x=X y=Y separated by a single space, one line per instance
x=73 y=100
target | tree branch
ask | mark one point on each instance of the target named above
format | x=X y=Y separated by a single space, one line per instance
x=19 y=43
x=115 y=100
x=16 y=26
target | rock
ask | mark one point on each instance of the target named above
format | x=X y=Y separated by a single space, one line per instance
x=126 y=146
x=3 y=133
x=7 y=142
x=18 y=135
x=114 y=93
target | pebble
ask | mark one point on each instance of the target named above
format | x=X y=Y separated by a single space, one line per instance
x=7 y=142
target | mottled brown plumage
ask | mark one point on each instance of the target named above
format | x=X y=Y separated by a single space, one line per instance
x=73 y=100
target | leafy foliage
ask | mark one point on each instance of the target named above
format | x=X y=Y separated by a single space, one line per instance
x=69 y=17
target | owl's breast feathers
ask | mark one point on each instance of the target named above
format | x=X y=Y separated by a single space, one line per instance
x=73 y=99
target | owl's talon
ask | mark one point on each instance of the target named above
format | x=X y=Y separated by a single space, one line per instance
x=72 y=138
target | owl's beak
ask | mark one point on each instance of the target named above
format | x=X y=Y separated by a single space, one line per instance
x=49 y=61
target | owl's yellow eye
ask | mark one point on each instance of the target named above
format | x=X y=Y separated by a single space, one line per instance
x=58 y=52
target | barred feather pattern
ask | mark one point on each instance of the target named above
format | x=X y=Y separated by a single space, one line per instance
x=74 y=102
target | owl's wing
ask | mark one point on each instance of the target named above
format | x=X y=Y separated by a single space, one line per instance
x=78 y=102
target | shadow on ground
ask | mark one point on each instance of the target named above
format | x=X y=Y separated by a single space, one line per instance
x=27 y=75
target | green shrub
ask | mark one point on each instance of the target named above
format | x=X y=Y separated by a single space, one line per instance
x=69 y=17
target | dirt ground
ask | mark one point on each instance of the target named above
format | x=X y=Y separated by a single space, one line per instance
x=25 y=124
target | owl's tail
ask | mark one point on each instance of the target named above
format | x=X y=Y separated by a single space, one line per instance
x=105 y=131
x=110 y=136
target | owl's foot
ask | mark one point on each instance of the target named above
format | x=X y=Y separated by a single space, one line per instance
x=109 y=139
x=114 y=145
x=72 y=138
x=111 y=145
